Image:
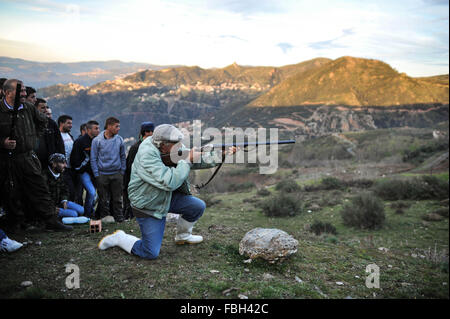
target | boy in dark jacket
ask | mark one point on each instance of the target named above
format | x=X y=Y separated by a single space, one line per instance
x=80 y=162
x=58 y=188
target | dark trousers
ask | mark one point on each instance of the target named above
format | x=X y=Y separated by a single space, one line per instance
x=28 y=186
x=109 y=190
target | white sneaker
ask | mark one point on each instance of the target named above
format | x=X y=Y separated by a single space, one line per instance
x=9 y=245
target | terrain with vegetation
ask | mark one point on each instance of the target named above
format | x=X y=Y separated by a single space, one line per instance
x=397 y=177
x=365 y=183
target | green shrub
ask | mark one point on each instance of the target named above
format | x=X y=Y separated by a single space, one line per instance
x=263 y=192
x=288 y=186
x=400 y=205
x=442 y=212
x=423 y=152
x=329 y=183
x=364 y=211
x=360 y=183
x=210 y=200
x=241 y=186
x=417 y=188
x=281 y=205
x=319 y=227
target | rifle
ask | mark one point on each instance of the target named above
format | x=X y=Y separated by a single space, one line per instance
x=12 y=135
x=183 y=153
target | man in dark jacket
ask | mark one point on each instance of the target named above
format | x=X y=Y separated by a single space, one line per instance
x=146 y=131
x=58 y=188
x=80 y=162
x=20 y=170
x=51 y=141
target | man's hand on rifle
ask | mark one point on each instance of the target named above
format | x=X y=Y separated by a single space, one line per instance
x=194 y=155
x=9 y=144
x=230 y=151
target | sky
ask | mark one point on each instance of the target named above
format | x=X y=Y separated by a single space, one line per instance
x=410 y=35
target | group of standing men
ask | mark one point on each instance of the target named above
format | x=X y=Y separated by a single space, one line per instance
x=98 y=161
x=43 y=169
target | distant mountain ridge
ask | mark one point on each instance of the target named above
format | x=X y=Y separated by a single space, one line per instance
x=259 y=78
x=355 y=82
x=312 y=97
x=42 y=74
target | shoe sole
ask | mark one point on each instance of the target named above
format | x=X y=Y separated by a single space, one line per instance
x=182 y=242
x=99 y=243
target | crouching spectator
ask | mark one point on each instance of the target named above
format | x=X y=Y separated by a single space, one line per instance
x=58 y=188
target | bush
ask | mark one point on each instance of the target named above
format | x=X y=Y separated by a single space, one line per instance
x=442 y=212
x=329 y=183
x=360 y=183
x=209 y=200
x=319 y=227
x=364 y=211
x=288 y=186
x=241 y=187
x=418 y=188
x=281 y=205
x=400 y=205
x=263 y=192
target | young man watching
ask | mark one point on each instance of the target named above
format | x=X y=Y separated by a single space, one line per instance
x=80 y=161
x=108 y=163
x=58 y=189
x=51 y=141
x=31 y=95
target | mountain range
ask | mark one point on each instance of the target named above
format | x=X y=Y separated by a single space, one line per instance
x=312 y=97
x=41 y=74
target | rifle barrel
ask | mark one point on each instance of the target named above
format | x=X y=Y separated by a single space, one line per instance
x=244 y=144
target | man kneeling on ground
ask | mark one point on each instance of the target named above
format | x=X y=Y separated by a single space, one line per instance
x=155 y=189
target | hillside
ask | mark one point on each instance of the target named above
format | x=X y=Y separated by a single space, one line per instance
x=169 y=96
x=42 y=74
x=60 y=90
x=234 y=77
x=219 y=97
x=355 y=82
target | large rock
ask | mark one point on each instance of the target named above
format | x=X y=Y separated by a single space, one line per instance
x=268 y=243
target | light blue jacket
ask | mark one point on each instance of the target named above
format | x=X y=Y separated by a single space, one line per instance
x=108 y=155
x=152 y=183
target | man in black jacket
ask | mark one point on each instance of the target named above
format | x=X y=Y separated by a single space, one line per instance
x=51 y=141
x=20 y=170
x=80 y=162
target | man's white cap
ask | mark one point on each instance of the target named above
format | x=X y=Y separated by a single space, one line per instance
x=167 y=133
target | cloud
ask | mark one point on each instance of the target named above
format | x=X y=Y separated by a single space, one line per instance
x=285 y=47
x=436 y=2
x=332 y=43
x=246 y=7
x=228 y=36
